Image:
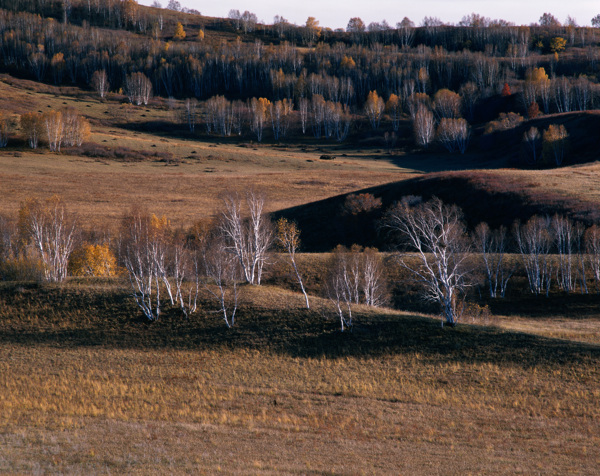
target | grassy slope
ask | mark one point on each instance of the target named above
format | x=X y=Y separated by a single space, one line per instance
x=100 y=190
x=89 y=387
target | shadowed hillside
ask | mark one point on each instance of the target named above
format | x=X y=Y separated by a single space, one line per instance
x=497 y=197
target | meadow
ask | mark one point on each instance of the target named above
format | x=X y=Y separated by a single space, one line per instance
x=91 y=388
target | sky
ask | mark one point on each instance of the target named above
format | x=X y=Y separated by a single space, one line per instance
x=336 y=13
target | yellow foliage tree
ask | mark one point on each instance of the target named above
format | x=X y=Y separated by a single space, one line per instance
x=348 y=62
x=555 y=142
x=201 y=35
x=537 y=75
x=374 y=108
x=179 y=32
x=557 y=44
x=93 y=260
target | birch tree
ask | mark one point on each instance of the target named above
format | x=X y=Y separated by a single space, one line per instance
x=139 y=257
x=436 y=233
x=248 y=233
x=534 y=241
x=100 y=83
x=288 y=238
x=454 y=134
x=222 y=270
x=53 y=232
x=492 y=246
x=138 y=88
x=54 y=128
x=259 y=109
x=32 y=126
x=424 y=127
x=374 y=108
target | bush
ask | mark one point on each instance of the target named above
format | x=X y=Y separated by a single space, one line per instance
x=93 y=260
x=504 y=122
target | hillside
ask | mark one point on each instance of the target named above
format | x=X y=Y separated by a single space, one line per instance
x=498 y=197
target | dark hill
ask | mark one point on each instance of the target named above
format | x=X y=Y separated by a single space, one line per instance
x=497 y=197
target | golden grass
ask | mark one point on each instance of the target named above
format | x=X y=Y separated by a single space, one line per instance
x=283 y=392
x=582 y=330
x=87 y=386
x=101 y=190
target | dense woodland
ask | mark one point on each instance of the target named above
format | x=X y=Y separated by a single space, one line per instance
x=271 y=81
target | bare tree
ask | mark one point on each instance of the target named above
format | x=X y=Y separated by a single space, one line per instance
x=222 y=269
x=303 y=108
x=592 y=248
x=534 y=240
x=247 y=237
x=288 y=238
x=424 y=127
x=191 y=113
x=373 y=281
x=53 y=232
x=76 y=129
x=280 y=112
x=469 y=92
x=342 y=286
x=532 y=141
x=138 y=88
x=54 y=128
x=564 y=238
x=100 y=82
x=32 y=126
x=406 y=31
x=436 y=233
x=454 y=134
x=139 y=254
x=493 y=245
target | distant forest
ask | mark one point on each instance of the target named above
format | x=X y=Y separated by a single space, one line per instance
x=433 y=74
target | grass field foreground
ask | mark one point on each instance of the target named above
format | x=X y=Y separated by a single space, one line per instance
x=90 y=387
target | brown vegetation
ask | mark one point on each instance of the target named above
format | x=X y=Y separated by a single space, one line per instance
x=91 y=384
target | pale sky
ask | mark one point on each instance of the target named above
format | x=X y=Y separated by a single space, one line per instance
x=335 y=14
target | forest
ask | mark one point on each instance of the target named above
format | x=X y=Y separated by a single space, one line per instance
x=447 y=79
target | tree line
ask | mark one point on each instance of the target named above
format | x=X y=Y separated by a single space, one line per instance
x=166 y=266
x=63 y=53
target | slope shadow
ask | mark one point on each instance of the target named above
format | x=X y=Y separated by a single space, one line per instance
x=66 y=318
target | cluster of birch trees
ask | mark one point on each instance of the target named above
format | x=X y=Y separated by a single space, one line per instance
x=340 y=69
x=548 y=249
x=55 y=128
x=165 y=265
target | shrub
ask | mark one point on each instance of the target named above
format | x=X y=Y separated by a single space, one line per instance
x=93 y=260
x=504 y=122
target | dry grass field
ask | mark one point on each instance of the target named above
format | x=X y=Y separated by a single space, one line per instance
x=100 y=190
x=89 y=387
